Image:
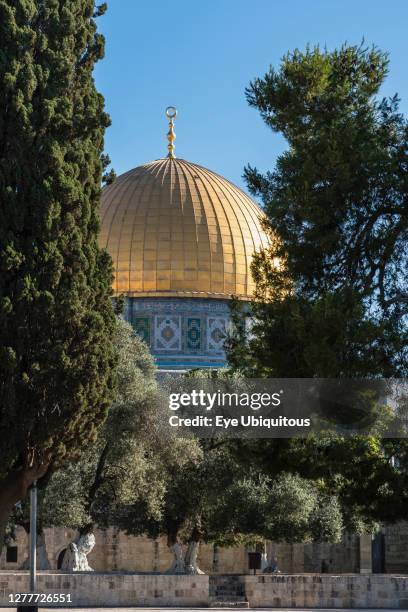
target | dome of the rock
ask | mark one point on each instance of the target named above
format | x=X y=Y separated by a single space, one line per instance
x=174 y=228
x=182 y=240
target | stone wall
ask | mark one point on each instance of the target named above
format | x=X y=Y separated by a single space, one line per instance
x=317 y=557
x=115 y=551
x=99 y=589
x=325 y=591
x=396 y=548
x=288 y=591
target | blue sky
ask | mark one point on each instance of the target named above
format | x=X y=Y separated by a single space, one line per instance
x=199 y=55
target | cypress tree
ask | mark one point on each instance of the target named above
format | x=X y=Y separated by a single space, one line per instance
x=56 y=317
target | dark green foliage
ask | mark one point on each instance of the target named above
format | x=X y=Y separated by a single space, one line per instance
x=337 y=197
x=350 y=470
x=216 y=499
x=236 y=340
x=287 y=508
x=56 y=316
x=328 y=336
x=336 y=305
x=119 y=304
x=107 y=177
x=122 y=466
x=337 y=215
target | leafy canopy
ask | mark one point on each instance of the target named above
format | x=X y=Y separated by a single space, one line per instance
x=331 y=287
x=126 y=467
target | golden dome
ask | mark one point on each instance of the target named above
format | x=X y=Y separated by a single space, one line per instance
x=177 y=229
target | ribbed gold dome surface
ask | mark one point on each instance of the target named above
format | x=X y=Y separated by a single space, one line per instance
x=174 y=228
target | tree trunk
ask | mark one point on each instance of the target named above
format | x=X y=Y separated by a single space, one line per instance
x=216 y=559
x=178 y=566
x=11 y=492
x=43 y=562
x=190 y=560
x=42 y=556
x=264 y=560
x=4 y=517
x=75 y=558
x=14 y=488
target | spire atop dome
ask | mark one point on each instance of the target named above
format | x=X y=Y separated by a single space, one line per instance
x=171 y=114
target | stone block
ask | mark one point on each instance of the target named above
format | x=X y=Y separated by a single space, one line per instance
x=403 y=604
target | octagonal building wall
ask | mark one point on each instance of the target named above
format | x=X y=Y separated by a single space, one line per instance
x=181 y=333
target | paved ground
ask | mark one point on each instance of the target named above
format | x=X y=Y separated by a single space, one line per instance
x=201 y=609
